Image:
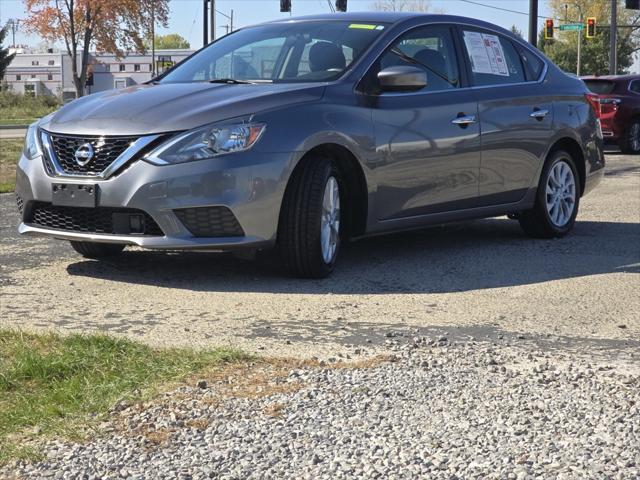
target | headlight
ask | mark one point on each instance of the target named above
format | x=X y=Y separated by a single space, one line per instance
x=31 y=147
x=207 y=142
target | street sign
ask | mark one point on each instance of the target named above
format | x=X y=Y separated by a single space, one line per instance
x=572 y=26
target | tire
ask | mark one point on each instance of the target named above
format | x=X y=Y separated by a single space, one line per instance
x=97 y=250
x=549 y=218
x=630 y=142
x=305 y=251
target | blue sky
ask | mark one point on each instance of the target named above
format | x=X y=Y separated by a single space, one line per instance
x=186 y=15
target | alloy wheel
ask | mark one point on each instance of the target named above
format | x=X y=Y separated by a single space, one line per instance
x=330 y=221
x=561 y=194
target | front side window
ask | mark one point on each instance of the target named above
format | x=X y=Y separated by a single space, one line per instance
x=431 y=49
x=634 y=86
x=493 y=59
x=280 y=52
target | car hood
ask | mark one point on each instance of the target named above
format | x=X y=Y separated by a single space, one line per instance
x=148 y=109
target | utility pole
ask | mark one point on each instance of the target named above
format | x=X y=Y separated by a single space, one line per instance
x=14 y=23
x=613 y=54
x=212 y=15
x=153 y=38
x=580 y=44
x=205 y=23
x=533 y=22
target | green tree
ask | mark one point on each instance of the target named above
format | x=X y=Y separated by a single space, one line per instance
x=5 y=57
x=594 y=57
x=401 y=5
x=516 y=31
x=170 y=41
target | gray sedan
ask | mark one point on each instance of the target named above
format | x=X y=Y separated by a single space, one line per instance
x=302 y=134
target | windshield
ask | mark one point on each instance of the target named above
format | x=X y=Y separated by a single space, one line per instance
x=601 y=87
x=279 y=52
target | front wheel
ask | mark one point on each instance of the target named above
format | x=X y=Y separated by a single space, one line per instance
x=310 y=223
x=557 y=199
x=630 y=142
x=97 y=250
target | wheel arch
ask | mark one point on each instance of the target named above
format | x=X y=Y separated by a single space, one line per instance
x=356 y=207
x=572 y=146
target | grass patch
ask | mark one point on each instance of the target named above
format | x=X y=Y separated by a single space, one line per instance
x=18 y=109
x=10 y=149
x=63 y=385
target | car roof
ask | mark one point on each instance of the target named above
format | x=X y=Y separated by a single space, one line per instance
x=384 y=17
x=391 y=18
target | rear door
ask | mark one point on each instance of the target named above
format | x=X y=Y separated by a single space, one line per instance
x=515 y=112
x=427 y=141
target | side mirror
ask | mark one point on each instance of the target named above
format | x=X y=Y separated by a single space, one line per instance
x=402 y=78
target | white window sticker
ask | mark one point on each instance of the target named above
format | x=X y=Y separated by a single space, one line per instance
x=485 y=53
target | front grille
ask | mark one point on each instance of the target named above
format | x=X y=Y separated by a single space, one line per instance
x=106 y=150
x=19 y=204
x=210 y=222
x=105 y=220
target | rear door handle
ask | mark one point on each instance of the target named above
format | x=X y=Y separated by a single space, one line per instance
x=464 y=120
x=539 y=114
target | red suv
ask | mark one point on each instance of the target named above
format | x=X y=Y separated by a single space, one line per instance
x=620 y=109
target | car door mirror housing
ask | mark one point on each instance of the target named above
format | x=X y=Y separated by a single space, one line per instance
x=402 y=78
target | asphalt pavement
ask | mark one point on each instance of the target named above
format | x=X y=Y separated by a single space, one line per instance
x=481 y=279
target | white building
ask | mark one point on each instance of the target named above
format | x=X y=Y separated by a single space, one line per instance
x=50 y=73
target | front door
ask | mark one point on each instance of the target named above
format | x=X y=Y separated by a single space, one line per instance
x=427 y=142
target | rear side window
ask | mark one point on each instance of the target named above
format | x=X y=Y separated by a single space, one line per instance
x=430 y=48
x=634 y=86
x=533 y=64
x=493 y=59
x=601 y=87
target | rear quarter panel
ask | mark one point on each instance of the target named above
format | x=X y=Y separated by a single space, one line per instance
x=575 y=119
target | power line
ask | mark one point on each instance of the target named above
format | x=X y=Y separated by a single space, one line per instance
x=508 y=10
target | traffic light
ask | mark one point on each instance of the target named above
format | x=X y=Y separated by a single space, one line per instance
x=591 y=27
x=285 y=5
x=548 y=28
x=633 y=4
x=341 y=5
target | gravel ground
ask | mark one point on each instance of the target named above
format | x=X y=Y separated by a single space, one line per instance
x=432 y=409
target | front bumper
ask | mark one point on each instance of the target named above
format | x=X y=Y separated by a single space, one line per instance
x=250 y=184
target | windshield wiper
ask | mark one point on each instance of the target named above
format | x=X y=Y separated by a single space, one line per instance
x=408 y=59
x=230 y=81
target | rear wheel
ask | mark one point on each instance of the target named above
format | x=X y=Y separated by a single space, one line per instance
x=310 y=223
x=630 y=143
x=557 y=199
x=97 y=250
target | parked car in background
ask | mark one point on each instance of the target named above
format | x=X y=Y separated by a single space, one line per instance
x=303 y=133
x=620 y=109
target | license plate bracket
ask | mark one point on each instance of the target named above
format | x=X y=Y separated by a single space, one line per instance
x=74 y=195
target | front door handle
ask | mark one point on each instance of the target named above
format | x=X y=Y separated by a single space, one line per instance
x=464 y=120
x=539 y=114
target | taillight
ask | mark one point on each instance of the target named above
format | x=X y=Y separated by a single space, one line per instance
x=594 y=101
x=613 y=102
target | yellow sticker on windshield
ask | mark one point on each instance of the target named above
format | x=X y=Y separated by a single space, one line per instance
x=364 y=26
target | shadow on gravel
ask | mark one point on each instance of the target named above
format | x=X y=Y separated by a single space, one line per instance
x=477 y=255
